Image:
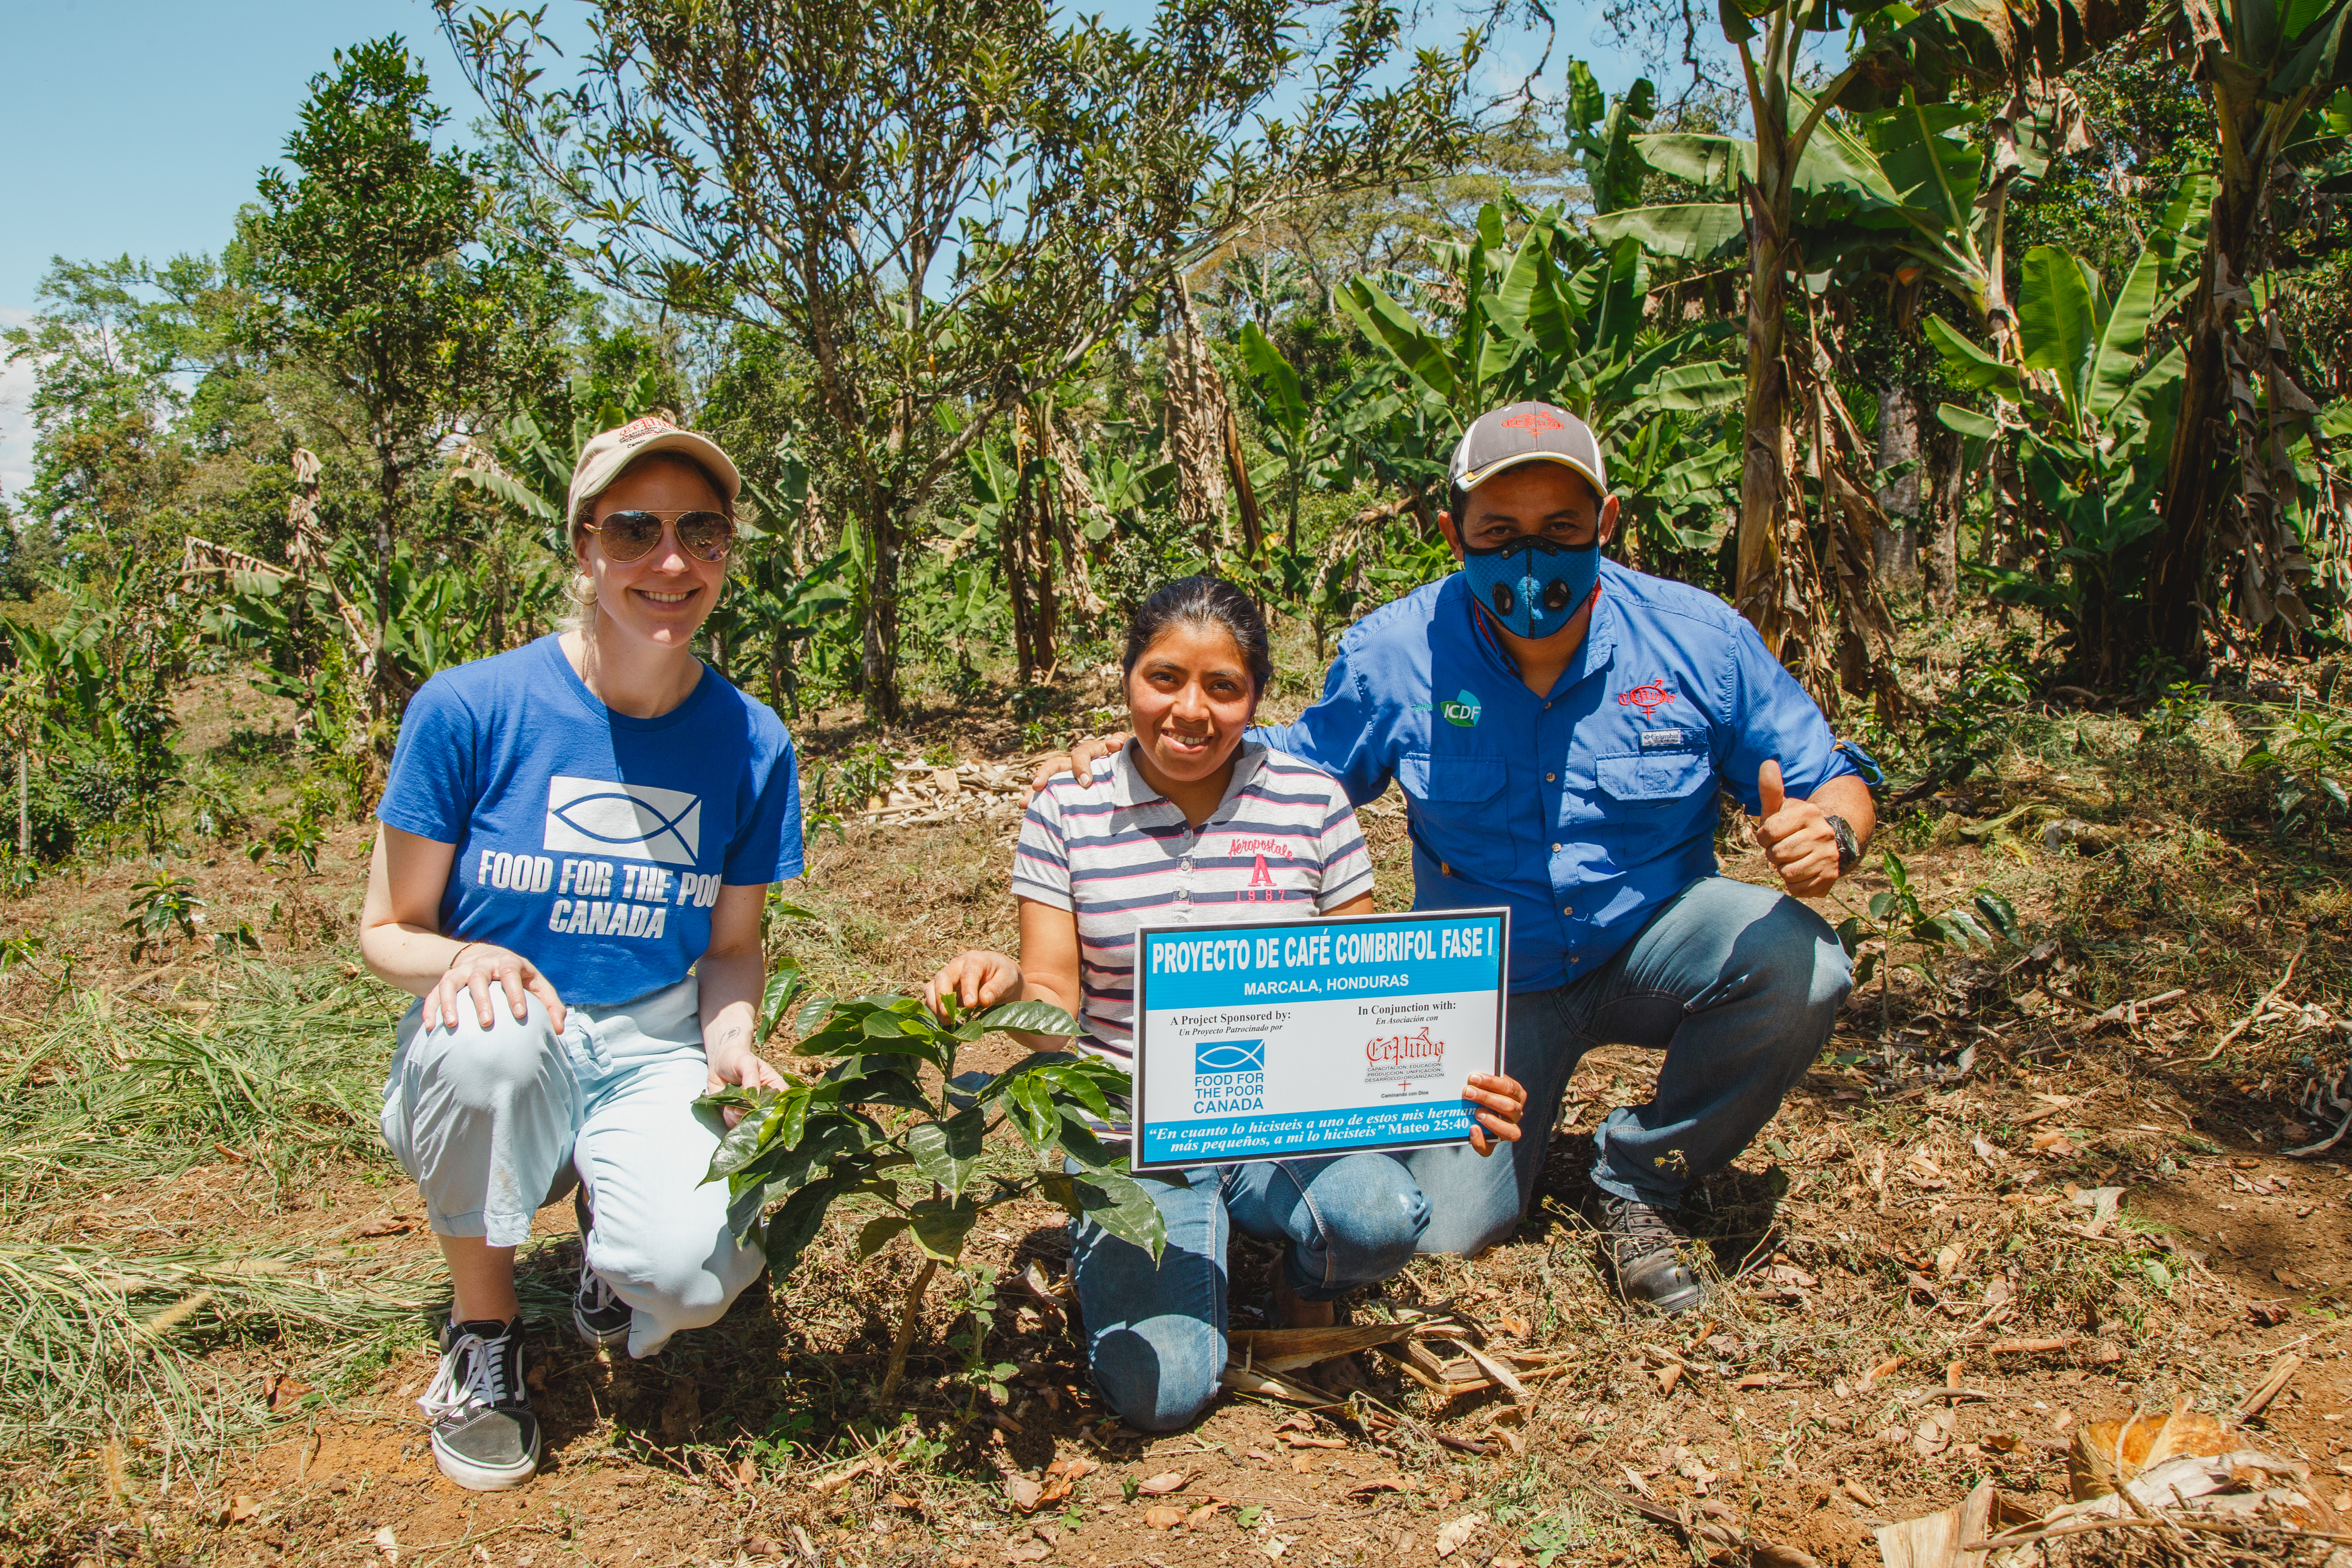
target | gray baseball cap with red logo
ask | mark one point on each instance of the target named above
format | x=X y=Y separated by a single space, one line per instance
x=1527 y=433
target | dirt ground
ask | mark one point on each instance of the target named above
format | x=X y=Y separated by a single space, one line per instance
x=1922 y=1280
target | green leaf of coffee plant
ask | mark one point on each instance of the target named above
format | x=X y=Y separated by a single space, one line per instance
x=742 y=1142
x=940 y=1228
x=813 y=1013
x=1030 y=1017
x=947 y=1153
x=1070 y=1082
x=831 y=1135
x=880 y=1084
x=1998 y=913
x=792 y=1227
x=782 y=986
x=1082 y=1143
x=1123 y=1206
x=878 y=1233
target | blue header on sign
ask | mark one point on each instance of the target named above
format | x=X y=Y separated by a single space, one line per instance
x=1321 y=960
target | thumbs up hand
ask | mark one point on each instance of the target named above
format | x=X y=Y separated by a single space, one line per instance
x=1795 y=838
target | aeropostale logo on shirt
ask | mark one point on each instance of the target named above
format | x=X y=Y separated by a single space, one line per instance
x=636 y=822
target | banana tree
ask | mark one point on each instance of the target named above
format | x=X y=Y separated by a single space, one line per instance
x=2266 y=65
x=2093 y=408
x=1299 y=439
x=528 y=467
x=1553 y=318
x=1893 y=51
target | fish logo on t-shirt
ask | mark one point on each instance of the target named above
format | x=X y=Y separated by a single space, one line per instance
x=638 y=822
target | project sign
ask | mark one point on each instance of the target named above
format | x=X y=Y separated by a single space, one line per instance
x=1293 y=1039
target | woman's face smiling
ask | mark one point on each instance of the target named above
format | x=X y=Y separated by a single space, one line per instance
x=662 y=597
x=1189 y=698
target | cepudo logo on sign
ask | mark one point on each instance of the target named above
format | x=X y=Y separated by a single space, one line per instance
x=1404 y=1049
x=1400 y=1059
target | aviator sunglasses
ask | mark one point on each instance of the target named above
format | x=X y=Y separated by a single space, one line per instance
x=632 y=535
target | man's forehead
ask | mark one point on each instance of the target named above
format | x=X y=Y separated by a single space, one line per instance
x=1538 y=490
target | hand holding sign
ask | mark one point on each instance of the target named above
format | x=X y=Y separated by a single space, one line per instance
x=1795 y=836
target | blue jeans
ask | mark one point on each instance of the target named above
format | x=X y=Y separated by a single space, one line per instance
x=1739 y=986
x=1156 y=1333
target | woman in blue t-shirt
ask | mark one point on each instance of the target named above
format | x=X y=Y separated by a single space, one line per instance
x=577 y=839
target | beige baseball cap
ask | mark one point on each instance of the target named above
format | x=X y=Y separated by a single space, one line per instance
x=605 y=455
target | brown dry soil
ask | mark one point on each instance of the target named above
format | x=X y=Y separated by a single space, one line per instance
x=1881 y=1253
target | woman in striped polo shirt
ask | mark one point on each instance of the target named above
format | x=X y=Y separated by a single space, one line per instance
x=1187 y=821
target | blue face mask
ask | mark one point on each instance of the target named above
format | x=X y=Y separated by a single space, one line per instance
x=1533 y=586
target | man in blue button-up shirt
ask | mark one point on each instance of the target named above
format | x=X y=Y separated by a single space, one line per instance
x=1560 y=727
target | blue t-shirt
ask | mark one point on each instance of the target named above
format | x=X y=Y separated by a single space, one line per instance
x=592 y=843
x=1584 y=809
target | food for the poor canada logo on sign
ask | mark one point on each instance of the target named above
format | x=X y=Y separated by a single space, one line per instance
x=1228 y=1075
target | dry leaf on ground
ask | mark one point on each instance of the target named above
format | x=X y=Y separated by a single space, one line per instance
x=1452 y=1538
x=1163 y=1484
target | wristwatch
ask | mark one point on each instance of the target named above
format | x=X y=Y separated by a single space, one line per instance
x=1849 y=847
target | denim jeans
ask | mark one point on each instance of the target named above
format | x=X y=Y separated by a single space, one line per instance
x=1156 y=1333
x=492 y=1124
x=1739 y=986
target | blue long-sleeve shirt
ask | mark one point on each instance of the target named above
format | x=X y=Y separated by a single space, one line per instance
x=1586 y=808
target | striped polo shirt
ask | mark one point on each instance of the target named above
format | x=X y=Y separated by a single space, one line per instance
x=1282 y=845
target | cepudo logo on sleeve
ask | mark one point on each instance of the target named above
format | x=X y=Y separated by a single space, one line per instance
x=636 y=822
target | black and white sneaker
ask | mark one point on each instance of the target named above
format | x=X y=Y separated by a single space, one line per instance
x=601 y=1317
x=485 y=1436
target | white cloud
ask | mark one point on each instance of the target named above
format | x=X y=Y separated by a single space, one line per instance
x=15 y=415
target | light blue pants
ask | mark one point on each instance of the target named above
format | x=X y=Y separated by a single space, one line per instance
x=494 y=1123
x=1738 y=985
x=1156 y=1333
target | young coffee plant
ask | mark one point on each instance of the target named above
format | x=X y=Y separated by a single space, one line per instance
x=1897 y=917
x=161 y=904
x=2308 y=757
x=868 y=1125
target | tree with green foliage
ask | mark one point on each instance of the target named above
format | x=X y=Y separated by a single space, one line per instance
x=947 y=206
x=2093 y=426
x=2266 y=66
x=380 y=268
x=104 y=346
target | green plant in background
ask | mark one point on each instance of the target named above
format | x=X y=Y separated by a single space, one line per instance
x=2092 y=408
x=160 y=905
x=2308 y=756
x=796 y=1150
x=1898 y=918
x=981 y=1377
x=296 y=838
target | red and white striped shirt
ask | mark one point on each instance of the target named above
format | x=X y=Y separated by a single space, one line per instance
x=1282 y=845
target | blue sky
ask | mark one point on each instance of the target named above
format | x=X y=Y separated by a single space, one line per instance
x=152 y=120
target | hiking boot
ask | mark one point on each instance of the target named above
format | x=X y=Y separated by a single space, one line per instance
x=485 y=1438
x=601 y=1317
x=1640 y=1244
